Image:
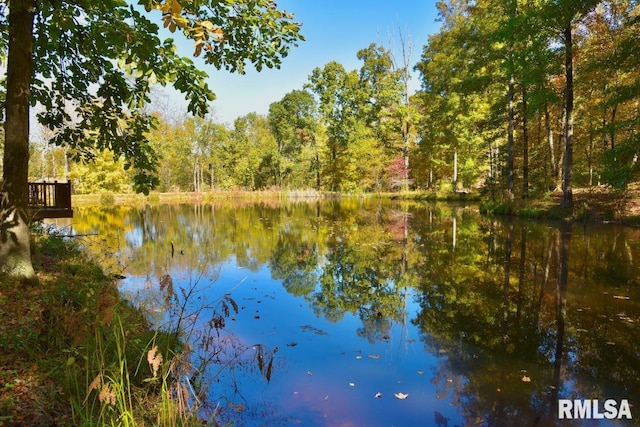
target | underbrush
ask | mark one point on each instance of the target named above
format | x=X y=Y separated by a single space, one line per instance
x=73 y=352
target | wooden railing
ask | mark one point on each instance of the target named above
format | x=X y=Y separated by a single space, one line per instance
x=50 y=200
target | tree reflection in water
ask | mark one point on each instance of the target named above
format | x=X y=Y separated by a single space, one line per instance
x=500 y=317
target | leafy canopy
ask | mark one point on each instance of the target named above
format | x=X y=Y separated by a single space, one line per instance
x=96 y=62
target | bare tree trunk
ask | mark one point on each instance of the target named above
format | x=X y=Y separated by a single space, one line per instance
x=455 y=169
x=567 y=185
x=510 y=136
x=525 y=145
x=552 y=148
x=15 y=251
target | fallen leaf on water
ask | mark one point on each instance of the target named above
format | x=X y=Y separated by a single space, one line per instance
x=421 y=372
x=378 y=395
x=309 y=373
x=352 y=384
x=358 y=357
x=374 y=356
x=526 y=379
x=401 y=396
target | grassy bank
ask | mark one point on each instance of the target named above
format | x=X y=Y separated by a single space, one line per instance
x=109 y=199
x=596 y=204
x=72 y=352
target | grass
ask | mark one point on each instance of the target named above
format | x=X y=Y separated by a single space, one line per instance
x=72 y=352
x=596 y=204
x=275 y=196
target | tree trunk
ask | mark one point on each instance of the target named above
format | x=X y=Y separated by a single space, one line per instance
x=552 y=148
x=567 y=190
x=15 y=251
x=510 y=136
x=455 y=169
x=612 y=127
x=525 y=145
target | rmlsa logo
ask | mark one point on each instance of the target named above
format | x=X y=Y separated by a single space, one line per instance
x=581 y=409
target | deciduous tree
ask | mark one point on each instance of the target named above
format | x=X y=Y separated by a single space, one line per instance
x=101 y=57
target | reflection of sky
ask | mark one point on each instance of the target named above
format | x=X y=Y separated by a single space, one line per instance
x=328 y=372
x=134 y=237
x=327 y=375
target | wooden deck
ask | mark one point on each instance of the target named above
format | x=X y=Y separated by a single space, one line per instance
x=50 y=200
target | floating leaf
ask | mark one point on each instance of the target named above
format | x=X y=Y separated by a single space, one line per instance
x=374 y=356
x=352 y=384
x=421 y=372
x=309 y=373
x=401 y=396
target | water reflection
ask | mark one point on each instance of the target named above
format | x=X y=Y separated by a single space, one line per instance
x=481 y=321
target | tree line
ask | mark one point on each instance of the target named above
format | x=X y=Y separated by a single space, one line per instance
x=516 y=96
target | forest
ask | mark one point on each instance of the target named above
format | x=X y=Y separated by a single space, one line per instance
x=517 y=96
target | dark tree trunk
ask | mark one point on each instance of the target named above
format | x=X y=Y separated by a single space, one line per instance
x=567 y=186
x=15 y=252
x=525 y=145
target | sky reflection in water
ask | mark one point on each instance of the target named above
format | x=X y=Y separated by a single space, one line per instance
x=470 y=316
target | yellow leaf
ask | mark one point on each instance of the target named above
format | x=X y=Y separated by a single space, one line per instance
x=207 y=25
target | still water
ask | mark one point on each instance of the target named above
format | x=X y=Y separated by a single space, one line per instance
x=371 y=313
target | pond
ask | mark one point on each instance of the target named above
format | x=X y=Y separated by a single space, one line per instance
x=374 y=313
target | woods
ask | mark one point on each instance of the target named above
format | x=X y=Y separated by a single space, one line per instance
x=516 y=97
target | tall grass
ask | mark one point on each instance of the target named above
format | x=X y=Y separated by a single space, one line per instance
x=89 y=358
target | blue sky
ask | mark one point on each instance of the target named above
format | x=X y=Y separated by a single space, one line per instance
x=334 y=30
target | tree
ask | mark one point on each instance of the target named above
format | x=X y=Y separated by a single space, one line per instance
x=102 y=57
x=563 y=14
x=293 y=122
